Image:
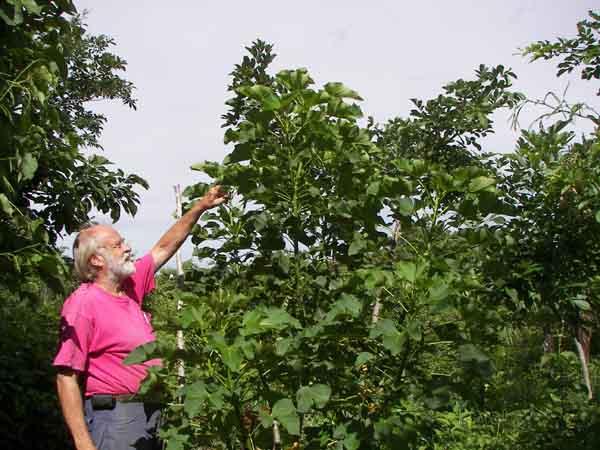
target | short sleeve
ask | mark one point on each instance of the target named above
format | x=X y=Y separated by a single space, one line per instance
x=75 y=336
x=141 y=283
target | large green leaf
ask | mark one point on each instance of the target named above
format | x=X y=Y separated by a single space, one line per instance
x=407 y=270
x=285 y=411
x=316 y=395
x=392 y=339
x=195 y=397
x=480 y=183
x=581 y=304
x=141 y=354
x=341 y=91
x=363 y=358
x=232 y=357
x=278 y=318
x=251 y=322
x=406 y=206
x=347 y=305
x=6 y=205
x=358 y=245
x=373 y=188
x=264 y=94
x=29 y=166
x=294 y=80
x=468 y=352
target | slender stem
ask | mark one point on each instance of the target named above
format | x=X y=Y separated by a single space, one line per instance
x=20 y=249
x=409 y=244
x=14 y=82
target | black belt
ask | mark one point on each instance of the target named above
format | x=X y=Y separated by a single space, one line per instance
x=108 y=401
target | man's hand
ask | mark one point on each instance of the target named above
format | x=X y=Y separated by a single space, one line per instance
x=214 y=197
x=174 y=237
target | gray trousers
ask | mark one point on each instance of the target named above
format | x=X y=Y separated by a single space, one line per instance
x=128 y=426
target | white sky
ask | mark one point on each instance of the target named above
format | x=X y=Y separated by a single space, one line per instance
x=180 y=53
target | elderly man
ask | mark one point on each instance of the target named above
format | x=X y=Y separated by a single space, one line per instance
x=101 y=322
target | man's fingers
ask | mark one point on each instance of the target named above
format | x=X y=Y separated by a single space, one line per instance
x=216 y=196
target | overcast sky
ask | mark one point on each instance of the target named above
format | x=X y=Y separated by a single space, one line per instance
x=180 y=53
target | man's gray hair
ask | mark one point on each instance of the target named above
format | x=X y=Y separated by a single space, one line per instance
x=84 y=247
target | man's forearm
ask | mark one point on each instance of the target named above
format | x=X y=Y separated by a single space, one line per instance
x=69 y=395
x=170 y=242
x=175 y=236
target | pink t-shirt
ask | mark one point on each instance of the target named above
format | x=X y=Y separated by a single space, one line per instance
x=98 y=330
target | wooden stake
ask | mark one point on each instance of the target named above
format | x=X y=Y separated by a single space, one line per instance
x=180 y=282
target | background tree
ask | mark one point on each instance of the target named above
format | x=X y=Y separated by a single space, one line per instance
x=50 y=69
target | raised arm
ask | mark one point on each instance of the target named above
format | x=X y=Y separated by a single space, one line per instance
x=170 y=242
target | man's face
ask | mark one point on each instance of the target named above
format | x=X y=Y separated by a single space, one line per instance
x=117 y=256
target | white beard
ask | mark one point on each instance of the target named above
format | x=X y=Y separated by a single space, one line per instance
x=119 y=270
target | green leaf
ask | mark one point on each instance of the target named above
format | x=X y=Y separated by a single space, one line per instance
x=393 y=340
x=479 y=183
x=141 y=354
x=358 y=244
x=339 y=90
x=407 y=270
x=263 y=94
x=212 y=169
x=347 y=305
x=251 y=323
x=285 y=411
x=351 y=442
x=241 y=152
x=232 y=357
x=373 y=188
x=363 y=358
x=277 y=318
x=295 y=80
x=282 y=261
x=6 y=205
x=581 y=304
x=316 y=395
x=598 y=216
x=266 y=420
x=414 y=330
x=195 y=397
x=31 y=6
x=438 y=290
x=469 y=352
x=282 y=346
x=177 y=442
x=29 y=166
x=406 y=206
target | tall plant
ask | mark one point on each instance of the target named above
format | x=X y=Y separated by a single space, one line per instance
x=331 y=297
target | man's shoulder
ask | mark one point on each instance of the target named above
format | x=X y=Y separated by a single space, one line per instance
x=146 y=262
x=81 y=300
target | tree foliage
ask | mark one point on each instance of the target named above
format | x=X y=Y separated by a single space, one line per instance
x=50 y=69
x=375 y=286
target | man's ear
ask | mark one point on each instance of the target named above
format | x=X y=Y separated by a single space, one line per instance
x=97 y=261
